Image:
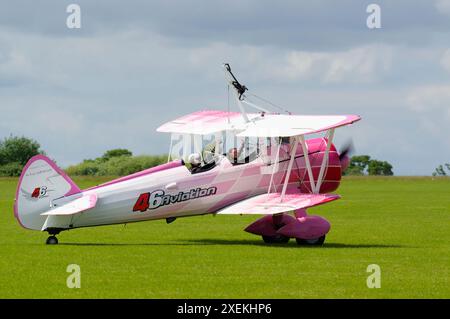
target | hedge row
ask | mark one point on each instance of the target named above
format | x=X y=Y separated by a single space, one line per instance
x=115 y=166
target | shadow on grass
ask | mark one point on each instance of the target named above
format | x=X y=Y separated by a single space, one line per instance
x=291 y=244
x=238 y=242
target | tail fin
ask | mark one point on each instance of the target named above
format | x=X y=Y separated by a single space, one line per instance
x=40 y=183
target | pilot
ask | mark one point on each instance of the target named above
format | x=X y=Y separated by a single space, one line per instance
x=233 y=155
x=195 y=161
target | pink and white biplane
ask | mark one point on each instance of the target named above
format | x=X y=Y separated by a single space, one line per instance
x=220 y=162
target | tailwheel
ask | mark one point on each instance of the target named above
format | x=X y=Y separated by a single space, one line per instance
x=52 y=240
x=277 y=239
x=311 y=242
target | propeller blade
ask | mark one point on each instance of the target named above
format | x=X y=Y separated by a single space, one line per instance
x=345 y=154
x=347 y=150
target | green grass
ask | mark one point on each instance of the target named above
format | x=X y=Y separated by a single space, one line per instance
x=401 y=224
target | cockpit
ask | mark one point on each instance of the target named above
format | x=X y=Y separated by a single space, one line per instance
x=201 y=153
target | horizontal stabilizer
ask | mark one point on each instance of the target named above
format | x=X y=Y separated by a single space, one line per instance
x=74 y=207
x=268 y=204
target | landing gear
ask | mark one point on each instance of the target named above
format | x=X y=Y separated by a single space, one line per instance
x=52 y=240
x=279 y=228
x=311 y=242
x=277 y=239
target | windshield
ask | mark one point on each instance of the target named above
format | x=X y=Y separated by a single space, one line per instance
x=212 y=147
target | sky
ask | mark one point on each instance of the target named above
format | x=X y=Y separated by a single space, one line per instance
x=134 y=65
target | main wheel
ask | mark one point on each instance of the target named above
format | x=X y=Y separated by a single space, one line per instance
x=52 y=240
x=311 y=242
x=277 y=239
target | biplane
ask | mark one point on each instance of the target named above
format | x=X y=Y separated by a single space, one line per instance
x=220 y=162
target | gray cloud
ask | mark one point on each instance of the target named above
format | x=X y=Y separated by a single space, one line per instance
x=134 y=65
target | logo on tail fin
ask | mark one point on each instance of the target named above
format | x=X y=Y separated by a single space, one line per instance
x=38 y=192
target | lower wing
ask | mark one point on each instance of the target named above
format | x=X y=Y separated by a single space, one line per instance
x=268 y=204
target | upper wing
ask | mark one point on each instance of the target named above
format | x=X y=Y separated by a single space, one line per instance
x=267 y=125
x=205 y=122
x=76 y=206
x=268 y=204
x=273 y=125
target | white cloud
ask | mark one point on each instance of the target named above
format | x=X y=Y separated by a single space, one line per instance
x=445 y=60
x=362 y=64
x=356 y=65
x=443 y=6
x=431 y=98
x=432 y=106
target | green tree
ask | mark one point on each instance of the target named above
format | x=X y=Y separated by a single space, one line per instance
x=116 y=153
x=358 y=165
x=363 y=164
x=16 y=149
x=379 y=168
x=440 y=170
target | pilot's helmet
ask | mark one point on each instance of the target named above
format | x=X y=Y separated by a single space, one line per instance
x=195 y=159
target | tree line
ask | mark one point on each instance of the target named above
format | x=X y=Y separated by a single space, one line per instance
x=16 y=151
x=116 y=162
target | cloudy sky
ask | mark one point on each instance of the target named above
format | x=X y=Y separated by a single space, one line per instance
x=134 y=65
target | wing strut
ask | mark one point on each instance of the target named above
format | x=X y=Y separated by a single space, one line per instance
x=275 y=168
x=307 y=162
x=315 y=187
x=324 y=160
x=288 y=172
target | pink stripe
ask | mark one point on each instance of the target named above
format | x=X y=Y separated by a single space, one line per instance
x=224 y=187
x=140 y=174
x=253 y=170
x=197 y=182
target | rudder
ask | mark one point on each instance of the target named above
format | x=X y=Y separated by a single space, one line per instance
x=40 y=183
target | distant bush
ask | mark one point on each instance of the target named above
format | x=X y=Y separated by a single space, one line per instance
x=116 y=153
x=11 y=169
x=86 y=168
x=15 y=152
x=116 y=165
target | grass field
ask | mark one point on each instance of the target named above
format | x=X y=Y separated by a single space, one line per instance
x=401 y=224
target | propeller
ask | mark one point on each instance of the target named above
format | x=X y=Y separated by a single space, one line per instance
x=347 y=150
x=345 y=154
